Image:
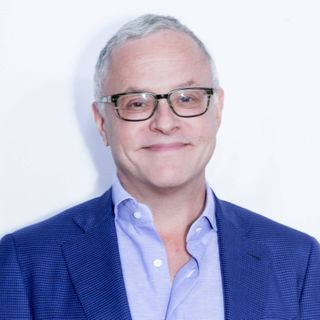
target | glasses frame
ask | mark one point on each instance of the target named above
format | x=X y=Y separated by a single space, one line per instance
x=113 y=99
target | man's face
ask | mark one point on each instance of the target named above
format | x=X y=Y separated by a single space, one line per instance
x=165 y=151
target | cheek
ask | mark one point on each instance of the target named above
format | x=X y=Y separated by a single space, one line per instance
x=116 y=138
x=206 y=130
x=123 y=137
x=112 y=127
x=207 y=138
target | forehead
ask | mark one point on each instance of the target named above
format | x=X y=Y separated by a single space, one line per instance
x=162 y=59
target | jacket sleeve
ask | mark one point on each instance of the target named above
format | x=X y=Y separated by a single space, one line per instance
x=310 y=294
x=14 y=302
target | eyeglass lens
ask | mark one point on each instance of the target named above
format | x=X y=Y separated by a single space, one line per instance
x=185 y=103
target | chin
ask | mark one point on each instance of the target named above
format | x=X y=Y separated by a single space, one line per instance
x=168 y=180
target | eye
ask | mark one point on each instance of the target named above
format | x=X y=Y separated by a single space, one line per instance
x=135 y=104
x=186 y=98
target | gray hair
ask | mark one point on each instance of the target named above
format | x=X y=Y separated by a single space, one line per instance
x=137 y=29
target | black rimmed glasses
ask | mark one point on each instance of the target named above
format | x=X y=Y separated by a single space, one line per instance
x=139 y=106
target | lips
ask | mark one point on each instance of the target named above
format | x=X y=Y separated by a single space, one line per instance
x=166 y=146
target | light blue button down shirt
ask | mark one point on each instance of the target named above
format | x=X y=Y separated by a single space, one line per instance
x=196 y=291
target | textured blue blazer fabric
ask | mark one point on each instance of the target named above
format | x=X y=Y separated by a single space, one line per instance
x=68 y=267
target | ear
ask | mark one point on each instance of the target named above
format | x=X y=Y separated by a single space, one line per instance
x=218 y=105
x=99 y=119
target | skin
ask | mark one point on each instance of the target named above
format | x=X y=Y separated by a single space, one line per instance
x=161 y=161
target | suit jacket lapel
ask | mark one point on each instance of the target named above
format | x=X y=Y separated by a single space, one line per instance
x=94 y=264
x=245 y=267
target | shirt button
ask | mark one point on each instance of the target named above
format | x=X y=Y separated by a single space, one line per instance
x=198 y=229
x=157 y=263
x=137 y=214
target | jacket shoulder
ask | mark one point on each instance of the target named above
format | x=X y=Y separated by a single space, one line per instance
x=64 y=226
x=265 y=230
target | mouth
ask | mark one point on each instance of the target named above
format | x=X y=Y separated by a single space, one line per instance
x=161 y=147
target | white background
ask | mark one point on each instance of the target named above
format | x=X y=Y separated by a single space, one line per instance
x=268 y=152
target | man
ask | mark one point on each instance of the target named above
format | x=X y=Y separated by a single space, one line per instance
x=159 y=244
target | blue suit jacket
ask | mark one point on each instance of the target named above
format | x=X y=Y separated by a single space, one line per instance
x=68 y=267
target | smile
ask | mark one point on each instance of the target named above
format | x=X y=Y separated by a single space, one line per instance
x=166 y=146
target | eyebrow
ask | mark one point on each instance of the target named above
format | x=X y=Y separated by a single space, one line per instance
x=181 y=85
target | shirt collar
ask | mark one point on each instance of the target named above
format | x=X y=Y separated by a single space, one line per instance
x=120 y=195
x=209 y=209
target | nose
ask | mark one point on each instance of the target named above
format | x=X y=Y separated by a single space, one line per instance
x=164 y=120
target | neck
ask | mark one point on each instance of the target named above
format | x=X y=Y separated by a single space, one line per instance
x=174 y=209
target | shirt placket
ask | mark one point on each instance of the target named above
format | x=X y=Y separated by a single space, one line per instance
x=188 y=275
